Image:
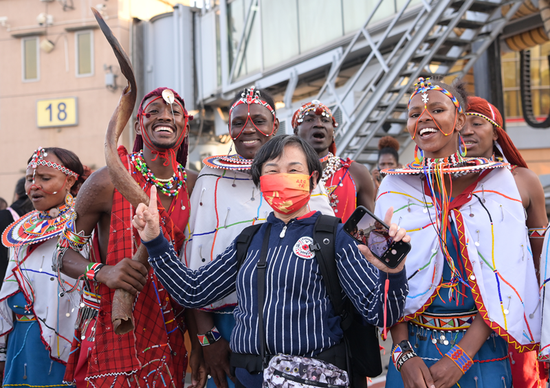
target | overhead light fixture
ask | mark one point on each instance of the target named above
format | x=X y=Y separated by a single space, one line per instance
x=279 y=104
x=47 y=45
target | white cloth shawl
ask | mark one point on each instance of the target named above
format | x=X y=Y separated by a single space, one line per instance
x=227 y=207
x=509 y=304
x=50 y=309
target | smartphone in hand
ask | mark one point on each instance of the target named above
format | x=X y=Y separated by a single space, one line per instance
x=368 y=229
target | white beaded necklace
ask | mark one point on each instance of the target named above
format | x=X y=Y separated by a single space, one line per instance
x=333 y=165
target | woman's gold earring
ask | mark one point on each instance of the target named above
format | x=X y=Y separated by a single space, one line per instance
x=69 y=200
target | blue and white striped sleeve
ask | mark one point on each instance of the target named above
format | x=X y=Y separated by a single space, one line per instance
x=363 y=283
x=193 y=289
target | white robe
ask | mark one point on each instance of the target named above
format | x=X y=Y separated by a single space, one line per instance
x=544 y=354
x=225 y=211
x=508 y=304
x=49 y=307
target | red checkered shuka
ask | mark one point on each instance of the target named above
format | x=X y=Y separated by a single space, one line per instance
x=155 y=350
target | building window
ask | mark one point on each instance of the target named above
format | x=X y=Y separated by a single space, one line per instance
x=84 y=53
x=30 y=59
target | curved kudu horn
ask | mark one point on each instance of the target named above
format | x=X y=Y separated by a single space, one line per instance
x=121 y=315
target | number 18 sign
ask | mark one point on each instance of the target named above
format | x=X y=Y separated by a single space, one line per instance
x=58 y=112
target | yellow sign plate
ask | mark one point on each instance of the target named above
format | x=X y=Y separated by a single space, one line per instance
x=58 y=112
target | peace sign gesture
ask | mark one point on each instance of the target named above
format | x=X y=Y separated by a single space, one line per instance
x=146 y=220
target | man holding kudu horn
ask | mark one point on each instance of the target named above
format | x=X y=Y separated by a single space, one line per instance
x=129 y=331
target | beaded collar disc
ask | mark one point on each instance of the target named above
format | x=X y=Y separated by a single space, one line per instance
x=228 y=162
x=454 y=164
x=36 y=227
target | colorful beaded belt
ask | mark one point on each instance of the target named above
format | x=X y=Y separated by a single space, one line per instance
x=25 y=318
x=444 y=321
x=91 y=300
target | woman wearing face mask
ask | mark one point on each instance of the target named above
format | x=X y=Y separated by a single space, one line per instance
x=296 y=303
x=225 y=200
x=471 y=293
x=38 y=314
x=484 y=136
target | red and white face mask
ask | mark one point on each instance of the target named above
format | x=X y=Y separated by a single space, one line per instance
x=285 y=193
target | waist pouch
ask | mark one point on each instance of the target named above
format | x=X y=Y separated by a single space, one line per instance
x=295 y=372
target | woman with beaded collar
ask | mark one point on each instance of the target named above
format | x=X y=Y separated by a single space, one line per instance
x=468 y=296
x=224 y=202
x=37 y=315
x=484 y=136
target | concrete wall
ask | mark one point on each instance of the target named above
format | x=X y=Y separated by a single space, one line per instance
x=19 y=132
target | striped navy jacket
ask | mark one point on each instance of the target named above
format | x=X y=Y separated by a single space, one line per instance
x=298 y=316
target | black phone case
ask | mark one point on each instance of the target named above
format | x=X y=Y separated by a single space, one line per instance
x=389 y=258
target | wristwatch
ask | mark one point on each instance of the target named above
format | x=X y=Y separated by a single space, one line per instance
x=405 y=346
x=210 y=337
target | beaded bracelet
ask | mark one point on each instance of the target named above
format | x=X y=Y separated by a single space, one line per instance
x=92 y=269
x=460 y=358
x=537 y=232
x=399 y=356
x=210 y=337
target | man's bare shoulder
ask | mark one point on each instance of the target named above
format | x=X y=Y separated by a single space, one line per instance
x=96 y=194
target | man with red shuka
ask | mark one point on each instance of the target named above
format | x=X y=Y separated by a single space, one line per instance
x=155 y=350
x=484 y=136
x=348 y=184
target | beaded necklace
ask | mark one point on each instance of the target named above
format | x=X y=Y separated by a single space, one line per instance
x=37 y=226
x=170 y=187
x=324 y=158
x=333 y=164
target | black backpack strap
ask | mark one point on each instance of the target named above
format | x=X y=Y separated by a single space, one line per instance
x=243 y=242
x=324 y=236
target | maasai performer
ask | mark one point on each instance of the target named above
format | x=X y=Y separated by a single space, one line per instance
x=223 y=203
x=484 y=136
x=469 y=295
x=154 y=351
x=349 y=184
x=388 y=157
x=37 y=314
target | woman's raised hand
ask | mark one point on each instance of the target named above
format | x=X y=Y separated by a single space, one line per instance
x=146 y=220
x=397 y=234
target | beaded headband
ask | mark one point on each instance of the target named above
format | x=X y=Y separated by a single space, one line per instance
x=314 y=106
x=483 y=117
x=38 y=160
x=249 y=97
x=425 y=85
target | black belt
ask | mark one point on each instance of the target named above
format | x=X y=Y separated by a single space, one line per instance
x=253 y=363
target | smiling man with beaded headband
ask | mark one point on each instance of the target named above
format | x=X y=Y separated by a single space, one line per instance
x=155 y=350
x=224 y=202
x=471 y=293
x=348 y=184
x=484 y=136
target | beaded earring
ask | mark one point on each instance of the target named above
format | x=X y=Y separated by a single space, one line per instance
x=69 y=199
x=462 y=146
x=416 y=158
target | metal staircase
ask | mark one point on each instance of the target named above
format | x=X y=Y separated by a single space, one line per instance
x=443 y=35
